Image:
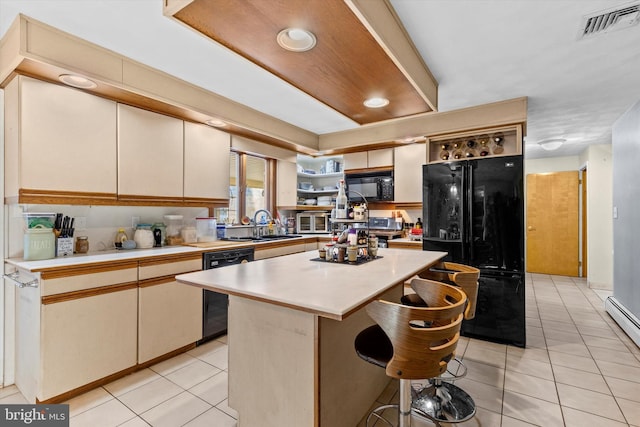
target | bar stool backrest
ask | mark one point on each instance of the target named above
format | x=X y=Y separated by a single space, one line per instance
x=460 y=275
x=421 y=352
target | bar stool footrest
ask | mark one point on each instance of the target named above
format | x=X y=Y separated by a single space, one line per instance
x=444 y=402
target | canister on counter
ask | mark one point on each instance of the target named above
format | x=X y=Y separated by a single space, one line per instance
x=82 y=244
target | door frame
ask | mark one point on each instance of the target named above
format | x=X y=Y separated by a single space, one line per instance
x=583 y=244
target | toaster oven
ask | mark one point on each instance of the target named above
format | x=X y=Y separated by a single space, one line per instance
x=312 y=222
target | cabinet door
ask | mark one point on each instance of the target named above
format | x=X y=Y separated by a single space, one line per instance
x=407 y=173
x=150 y=154
x=206 y=162
x=380 y=158
x=67 y=139
x=170 y=317
x=287 y=181
x=86 y=339
x=355 y=160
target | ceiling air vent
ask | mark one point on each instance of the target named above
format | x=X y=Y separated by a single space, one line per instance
x=610 y=19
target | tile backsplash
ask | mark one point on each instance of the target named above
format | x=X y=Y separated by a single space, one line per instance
x=102 y=222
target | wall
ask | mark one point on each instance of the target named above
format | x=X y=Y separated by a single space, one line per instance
x=626 y=198
x=551 y=164
x=598 y=159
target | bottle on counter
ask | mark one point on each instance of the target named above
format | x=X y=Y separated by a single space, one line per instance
x=121 y=236
x=419 y=223
x=341 y=202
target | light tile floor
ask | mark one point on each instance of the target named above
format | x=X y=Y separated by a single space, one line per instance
x=579 y=369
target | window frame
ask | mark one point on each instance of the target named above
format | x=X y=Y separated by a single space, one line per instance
x=270 y=182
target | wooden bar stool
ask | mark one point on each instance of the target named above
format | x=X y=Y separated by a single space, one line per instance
x=400 y=342
x=466 y=278
x=451 y=273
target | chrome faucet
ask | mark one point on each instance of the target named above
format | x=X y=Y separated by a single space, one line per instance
x=256 y=230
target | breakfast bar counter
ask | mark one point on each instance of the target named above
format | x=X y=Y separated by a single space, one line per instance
x=292 y=322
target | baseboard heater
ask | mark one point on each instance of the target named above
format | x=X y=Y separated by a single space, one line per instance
x=624 y=318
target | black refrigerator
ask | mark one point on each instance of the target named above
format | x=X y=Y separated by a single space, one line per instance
x=474 y=210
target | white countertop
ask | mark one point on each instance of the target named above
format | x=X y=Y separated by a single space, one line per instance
x=137 y=254
x=325 y=288
x=96 y=257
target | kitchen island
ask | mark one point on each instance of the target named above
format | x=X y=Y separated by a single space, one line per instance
x=292 y=322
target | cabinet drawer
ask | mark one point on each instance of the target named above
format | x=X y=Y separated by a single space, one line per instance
x=151 y=269
x=81 y=279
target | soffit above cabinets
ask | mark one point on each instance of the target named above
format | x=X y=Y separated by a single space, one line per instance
x=362 y=50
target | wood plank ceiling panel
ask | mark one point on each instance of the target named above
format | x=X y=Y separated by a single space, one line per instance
x=345 y=67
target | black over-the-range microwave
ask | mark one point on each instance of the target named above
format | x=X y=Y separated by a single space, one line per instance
x=374 y=186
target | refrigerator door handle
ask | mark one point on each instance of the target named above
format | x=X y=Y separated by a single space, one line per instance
x=469 y=212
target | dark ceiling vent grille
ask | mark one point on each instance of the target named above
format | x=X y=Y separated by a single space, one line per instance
x=610 y=19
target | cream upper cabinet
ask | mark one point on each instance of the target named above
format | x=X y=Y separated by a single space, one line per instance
x=150 y=154
x=380 y=158
x=58 y=139
x=408 y=161
x=369 y=159
x=287 y=182
x=206 y=162
x=355 y=160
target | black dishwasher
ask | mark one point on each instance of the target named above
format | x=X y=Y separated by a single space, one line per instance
x=215 y=305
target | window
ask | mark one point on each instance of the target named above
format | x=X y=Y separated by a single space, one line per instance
x=250 y=185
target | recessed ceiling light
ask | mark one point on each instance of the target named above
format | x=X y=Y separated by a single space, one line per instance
x=376 y=102
x=77 y=81
x=552 y=144
x=296 y=39
x=215 y=123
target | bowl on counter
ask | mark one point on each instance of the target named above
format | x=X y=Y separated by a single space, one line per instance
x=310 y=202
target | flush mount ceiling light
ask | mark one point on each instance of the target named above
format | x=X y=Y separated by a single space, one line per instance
x=215 y=123
x=296 y=39
x=376 y=102
x=552 y=144
x=77 y=81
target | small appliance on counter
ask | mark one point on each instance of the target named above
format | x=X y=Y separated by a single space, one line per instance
x=312 y=222
x=206 y=229
x=385 y=229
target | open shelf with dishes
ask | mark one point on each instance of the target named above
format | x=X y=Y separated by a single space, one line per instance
x=318 y=179
x=483 y=143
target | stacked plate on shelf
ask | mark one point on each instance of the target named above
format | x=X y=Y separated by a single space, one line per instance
x=324 y=200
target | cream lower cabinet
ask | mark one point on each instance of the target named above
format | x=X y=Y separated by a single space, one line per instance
x=86 y=339
x=169 y=313
x=79 y=326
x=274 y=251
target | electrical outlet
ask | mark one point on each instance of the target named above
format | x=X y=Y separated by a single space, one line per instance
x=135 y=220
x=80 y=223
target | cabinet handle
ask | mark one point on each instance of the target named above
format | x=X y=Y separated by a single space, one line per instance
x=15 y=277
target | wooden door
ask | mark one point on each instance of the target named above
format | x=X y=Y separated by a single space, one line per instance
x=552 y=223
